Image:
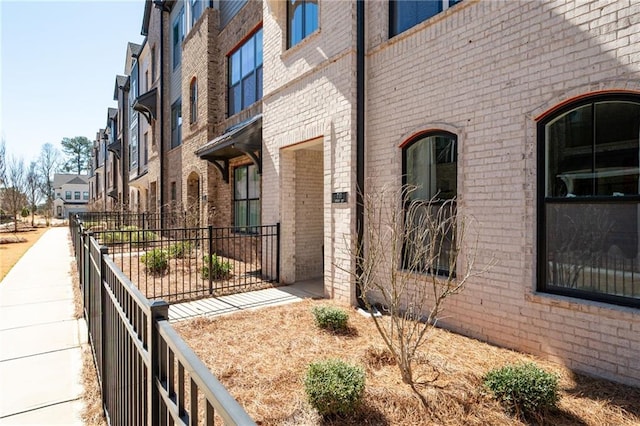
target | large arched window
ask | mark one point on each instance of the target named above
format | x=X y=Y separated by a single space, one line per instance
x=429 y=169
x=589 y=199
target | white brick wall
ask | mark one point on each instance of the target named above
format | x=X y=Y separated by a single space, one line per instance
x=309 y=93
x=485 y=71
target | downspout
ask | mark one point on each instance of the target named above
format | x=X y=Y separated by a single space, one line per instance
x=160 y=6
x=360 y=99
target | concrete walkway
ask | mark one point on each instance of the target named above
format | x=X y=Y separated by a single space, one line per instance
x=223 y=305
x=40 y=340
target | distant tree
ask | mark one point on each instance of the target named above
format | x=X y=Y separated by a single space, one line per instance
x=47 y=165
x=33 y=188
x=78 y=153
x=14 y=198
x=3 y=163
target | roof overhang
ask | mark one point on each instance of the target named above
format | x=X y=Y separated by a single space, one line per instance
x=115 y=147
x=244 y=138
x=146 y=104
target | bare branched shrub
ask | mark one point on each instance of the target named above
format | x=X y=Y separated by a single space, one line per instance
x=414 y=255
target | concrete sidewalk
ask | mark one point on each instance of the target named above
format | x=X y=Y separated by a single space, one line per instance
x=40 y=340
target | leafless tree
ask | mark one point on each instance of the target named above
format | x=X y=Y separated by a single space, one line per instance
x=3 y=163
x=414 y=255
x=48 y=163
x=14 y=198
x=33 y=188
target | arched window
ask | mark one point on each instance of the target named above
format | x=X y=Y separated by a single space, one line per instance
x=193 y=100
x=589 y=199
x=429 y=168
x=302 y=20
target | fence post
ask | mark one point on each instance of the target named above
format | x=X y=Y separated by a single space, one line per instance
x=158 y=311
x=210 y=259
x=99 y=316
x=278 y=252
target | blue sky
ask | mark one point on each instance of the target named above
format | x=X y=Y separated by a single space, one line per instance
x=58 y=70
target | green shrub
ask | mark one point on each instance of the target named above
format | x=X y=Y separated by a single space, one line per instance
x=156 y=261
x=334 y=387
x=180 y=250
x=111 y=237
x=524 y=389
x=330 y=318
x=24 y=212
x=220 y=269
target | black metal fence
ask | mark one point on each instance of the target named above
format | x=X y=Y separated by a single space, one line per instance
x=180 y=264
x=101 y=221
x=147 y=373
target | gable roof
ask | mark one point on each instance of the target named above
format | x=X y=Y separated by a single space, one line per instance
x=60 y=179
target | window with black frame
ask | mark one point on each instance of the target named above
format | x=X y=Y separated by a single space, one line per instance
x=430 y=175
x=176 y=123
x=193 y=101
x=302 y=20
x=405 y=14
x=589 y=200
x=177 y=35
x=245 y=74
x=246 y=198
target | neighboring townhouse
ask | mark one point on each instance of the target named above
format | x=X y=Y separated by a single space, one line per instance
x=225 y=121
x=97 y=177
x=138 y=65
x=527 y=114
x=71 y=194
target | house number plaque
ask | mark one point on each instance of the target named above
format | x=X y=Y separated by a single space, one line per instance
x=339 y=197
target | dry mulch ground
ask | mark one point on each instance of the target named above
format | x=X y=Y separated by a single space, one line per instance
x=14 y=244
x=261 y=357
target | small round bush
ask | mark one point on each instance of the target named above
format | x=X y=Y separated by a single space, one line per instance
x=330 y=318
x=524 y=389
x=156 y=261
x=180 y=250
x=334 y=387
x=220 y=269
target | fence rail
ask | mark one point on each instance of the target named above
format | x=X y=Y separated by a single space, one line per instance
x=147 y=373
x=185 y=263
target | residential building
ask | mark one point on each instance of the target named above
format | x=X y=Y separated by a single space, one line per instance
x=71 y=194
x=495 y=104
x=524 y=114
x=97 y=176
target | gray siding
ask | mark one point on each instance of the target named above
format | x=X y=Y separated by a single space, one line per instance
x=229 y=9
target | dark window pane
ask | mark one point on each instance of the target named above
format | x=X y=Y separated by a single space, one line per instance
x=254 y=182
x=259 y=48
x=247 y=53
x=254 y=213
x=593 y=247
x=235 y=68
x=259 y=83
x=240 y=180
x=569 y=154
x=240 y=214
x=248 y=90
x=296 y=24
x=235 y=100
x=408 y=13
x=616 y=148
x=431 y=166
x=310 y=17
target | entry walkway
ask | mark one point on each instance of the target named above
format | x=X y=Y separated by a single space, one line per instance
x=40 y=340
x=311 y=289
